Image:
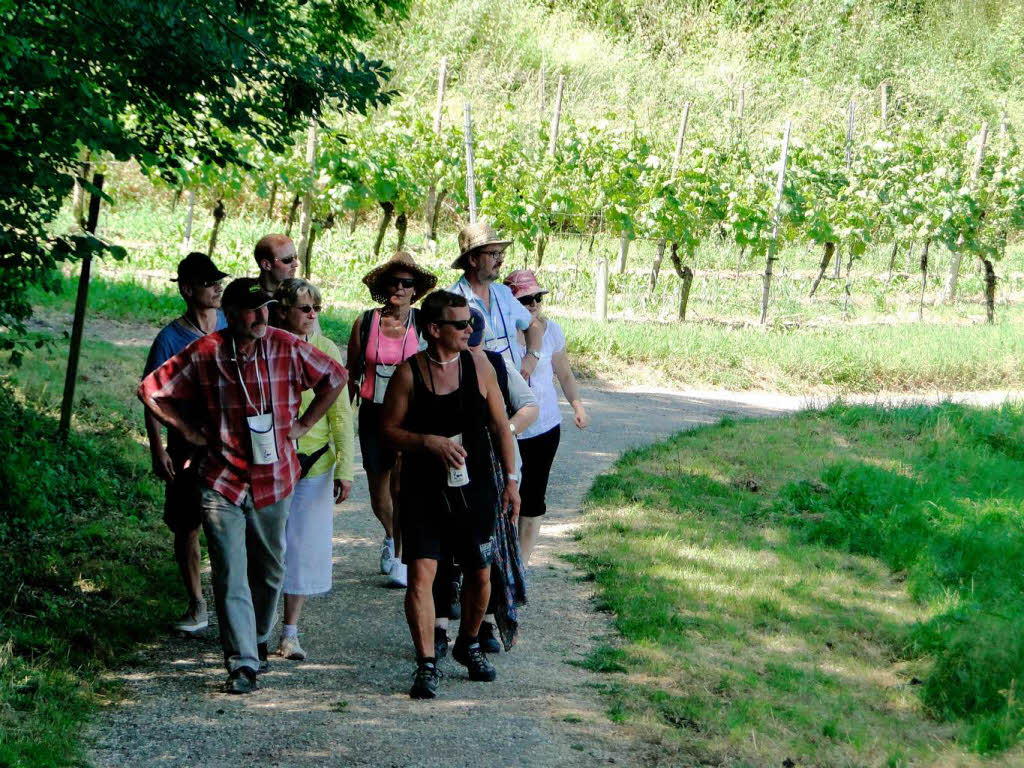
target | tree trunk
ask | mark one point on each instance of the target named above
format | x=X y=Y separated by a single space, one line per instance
x=218 y=217
x=838 y=272
x=952 y=276
x=542 y=244
x=848 y=287
x=273 y=199
x=389 y=211
x=314 y=233
x=830 y=248
x=78 y=196
x=177 y=198
x=402 y=225
x=353 y=223
x=186 y=241
x=435 y=214
x=739 y=260
x=656 y=266
x=623 y=252
x=766 y=282
x=990 y=290
x=290 y=221
x=686 y=278
x=892 y=261
x=924 y=278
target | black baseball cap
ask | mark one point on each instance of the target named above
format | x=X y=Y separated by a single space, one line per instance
x=197 y=267
x=245 y=293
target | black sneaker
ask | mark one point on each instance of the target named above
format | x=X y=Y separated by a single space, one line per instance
x=242 y=680
x=440 y=642
x=261 y=651
x=472 y=657
x=488 y=642
x=425 y=681
x=455 y=606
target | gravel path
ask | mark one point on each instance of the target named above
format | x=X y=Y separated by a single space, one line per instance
x=347 y=705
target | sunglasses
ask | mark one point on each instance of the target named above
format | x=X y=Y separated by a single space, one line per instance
x=401 y=282
x=287 y=260
x=307 y=308
x=527 y=301
x=458 y=325
x=210 y=283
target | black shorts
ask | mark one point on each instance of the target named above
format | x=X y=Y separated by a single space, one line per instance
x=182 y=511
x=444 y=527
x=538 y=453
x=378 y=456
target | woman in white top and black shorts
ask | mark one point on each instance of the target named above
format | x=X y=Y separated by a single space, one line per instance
x=539 y=442
x=381 y=340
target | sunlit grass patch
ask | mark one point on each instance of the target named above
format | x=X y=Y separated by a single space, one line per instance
x=837 y=588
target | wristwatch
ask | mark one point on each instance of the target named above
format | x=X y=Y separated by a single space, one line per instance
x=512 y=427
x=535 y=353
x=512 y=477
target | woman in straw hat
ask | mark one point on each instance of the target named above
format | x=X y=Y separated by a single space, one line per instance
x=381 y=339
x=538 y=443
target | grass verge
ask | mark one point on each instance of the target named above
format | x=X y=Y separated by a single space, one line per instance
x=836 y=588
x=85 y=564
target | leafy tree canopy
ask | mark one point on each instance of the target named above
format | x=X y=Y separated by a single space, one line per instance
x=168 y=82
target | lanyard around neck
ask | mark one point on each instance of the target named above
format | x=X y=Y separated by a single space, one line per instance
x=380 y=331
x=259 y=379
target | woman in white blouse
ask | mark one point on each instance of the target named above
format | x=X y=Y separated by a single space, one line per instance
x=539 y=442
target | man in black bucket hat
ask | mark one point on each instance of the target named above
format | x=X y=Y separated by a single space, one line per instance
x=199 y=282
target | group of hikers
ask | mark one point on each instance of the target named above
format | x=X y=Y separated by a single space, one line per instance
x=458 y=423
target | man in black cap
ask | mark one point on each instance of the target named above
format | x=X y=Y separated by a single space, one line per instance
x=238 y=394
x=199 y=284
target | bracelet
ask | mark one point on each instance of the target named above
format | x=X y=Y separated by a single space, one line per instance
x=513 y=478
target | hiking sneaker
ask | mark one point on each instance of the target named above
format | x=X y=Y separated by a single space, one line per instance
x=473 y=659
x=193 y=619
x=398 y=576
x=488 y=642
x=440 y=642
x=425 y=681
x=289 y=648
x=387 y=555
x=242 y=680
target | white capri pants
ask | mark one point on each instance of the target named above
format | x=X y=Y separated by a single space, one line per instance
x=308 y=555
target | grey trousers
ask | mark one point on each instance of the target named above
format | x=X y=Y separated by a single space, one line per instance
x=246 y=548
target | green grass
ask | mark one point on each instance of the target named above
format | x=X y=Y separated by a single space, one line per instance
x=839 y=588
x=85 y=561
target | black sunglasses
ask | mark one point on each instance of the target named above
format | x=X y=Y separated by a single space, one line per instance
x=401 y=282
x=458 y=325
x=287 y=260
x=307 y=308
x=211 y=283
x=528 y=300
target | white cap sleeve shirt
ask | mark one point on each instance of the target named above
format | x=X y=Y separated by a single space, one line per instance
x=542 y=382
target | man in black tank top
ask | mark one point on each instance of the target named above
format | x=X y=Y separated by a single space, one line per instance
x=438 y=409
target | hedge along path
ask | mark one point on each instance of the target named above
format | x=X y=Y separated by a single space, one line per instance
x=348 y=704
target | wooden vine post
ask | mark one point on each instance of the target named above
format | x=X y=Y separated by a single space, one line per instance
x=78 y=325
x=470 y=178
x=849 y=164
x=924 y=277
x=218 y=218
x=306 y=216
x=676 y=158
x=950 y=286
x=774 y=244
x=601 y=294
x=433 y=198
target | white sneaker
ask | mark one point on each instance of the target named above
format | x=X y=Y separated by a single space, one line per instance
x=398 y=576
x=387 y=556
x=289 y=648
x=193 y=619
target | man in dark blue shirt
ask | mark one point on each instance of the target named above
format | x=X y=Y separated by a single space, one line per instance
x=199 y=282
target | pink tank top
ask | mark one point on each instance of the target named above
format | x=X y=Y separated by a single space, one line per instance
x=383 y=354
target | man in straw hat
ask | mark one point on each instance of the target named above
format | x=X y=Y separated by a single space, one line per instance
x=245 y=386
x=481 y=255
x=381 y=339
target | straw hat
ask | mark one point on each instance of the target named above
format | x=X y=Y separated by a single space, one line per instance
x=523 y=282
x=400 y=262
x=475 y=236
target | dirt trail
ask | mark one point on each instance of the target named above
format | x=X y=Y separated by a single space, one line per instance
x=348 y=704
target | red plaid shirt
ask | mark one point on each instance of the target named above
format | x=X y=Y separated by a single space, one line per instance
x=206 y=374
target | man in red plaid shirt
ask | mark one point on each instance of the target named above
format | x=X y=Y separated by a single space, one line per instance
x=242 y=389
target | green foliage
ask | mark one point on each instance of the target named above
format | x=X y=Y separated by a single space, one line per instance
x=180 y=86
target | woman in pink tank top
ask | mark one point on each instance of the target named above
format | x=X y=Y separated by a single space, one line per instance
x=381 y=339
